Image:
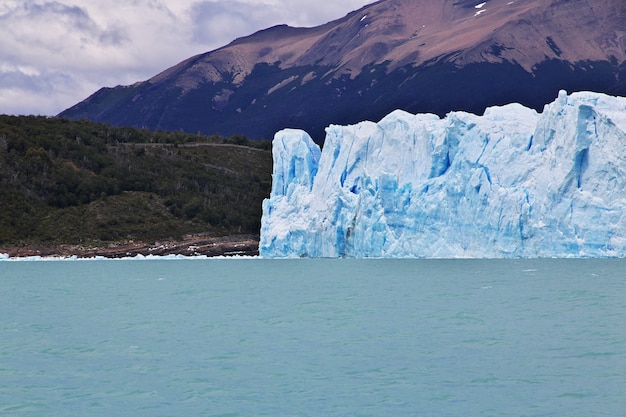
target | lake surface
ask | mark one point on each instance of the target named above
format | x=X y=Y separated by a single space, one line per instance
x=253 y=337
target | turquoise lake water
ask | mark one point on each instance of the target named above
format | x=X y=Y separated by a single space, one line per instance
x=253 y=337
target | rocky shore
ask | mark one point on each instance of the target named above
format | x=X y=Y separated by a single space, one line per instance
x=190 y=245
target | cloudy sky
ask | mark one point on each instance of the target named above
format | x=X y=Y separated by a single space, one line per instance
x=55 y=53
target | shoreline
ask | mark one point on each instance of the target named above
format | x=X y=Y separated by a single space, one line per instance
x=190 y=245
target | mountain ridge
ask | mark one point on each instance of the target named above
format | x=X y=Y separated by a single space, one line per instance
x=420 y=56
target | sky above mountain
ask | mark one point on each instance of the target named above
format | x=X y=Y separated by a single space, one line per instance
x=55 y=53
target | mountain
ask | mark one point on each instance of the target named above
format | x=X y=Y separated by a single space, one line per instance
x=417 y=55
x=511 y=183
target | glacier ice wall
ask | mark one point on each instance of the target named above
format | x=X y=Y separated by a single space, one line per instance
x=510 y=183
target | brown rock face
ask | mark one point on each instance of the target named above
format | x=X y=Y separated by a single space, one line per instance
x=419 y=55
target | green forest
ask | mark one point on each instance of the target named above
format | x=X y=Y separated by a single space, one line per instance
x=79 y=182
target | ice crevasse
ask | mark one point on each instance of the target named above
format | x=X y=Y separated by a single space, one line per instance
x=510 y=183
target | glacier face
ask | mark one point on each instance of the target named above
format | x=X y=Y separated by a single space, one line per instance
x=510 y=183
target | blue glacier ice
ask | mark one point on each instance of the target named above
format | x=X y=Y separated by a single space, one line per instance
x=510 y=183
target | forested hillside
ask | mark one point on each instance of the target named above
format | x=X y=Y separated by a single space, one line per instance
x=78 y=182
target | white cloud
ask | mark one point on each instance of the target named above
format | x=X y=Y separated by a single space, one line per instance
x=54 y=53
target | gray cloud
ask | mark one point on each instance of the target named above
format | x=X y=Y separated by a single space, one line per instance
x=115 y=37
x=218 y=23
x=19 y=80
x=74 y=15
x=46 y=91
x=53 y=16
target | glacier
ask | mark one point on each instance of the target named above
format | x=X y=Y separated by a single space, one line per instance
x=512 y=183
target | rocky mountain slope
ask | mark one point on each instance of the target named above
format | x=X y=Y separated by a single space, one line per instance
x=417 y=55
